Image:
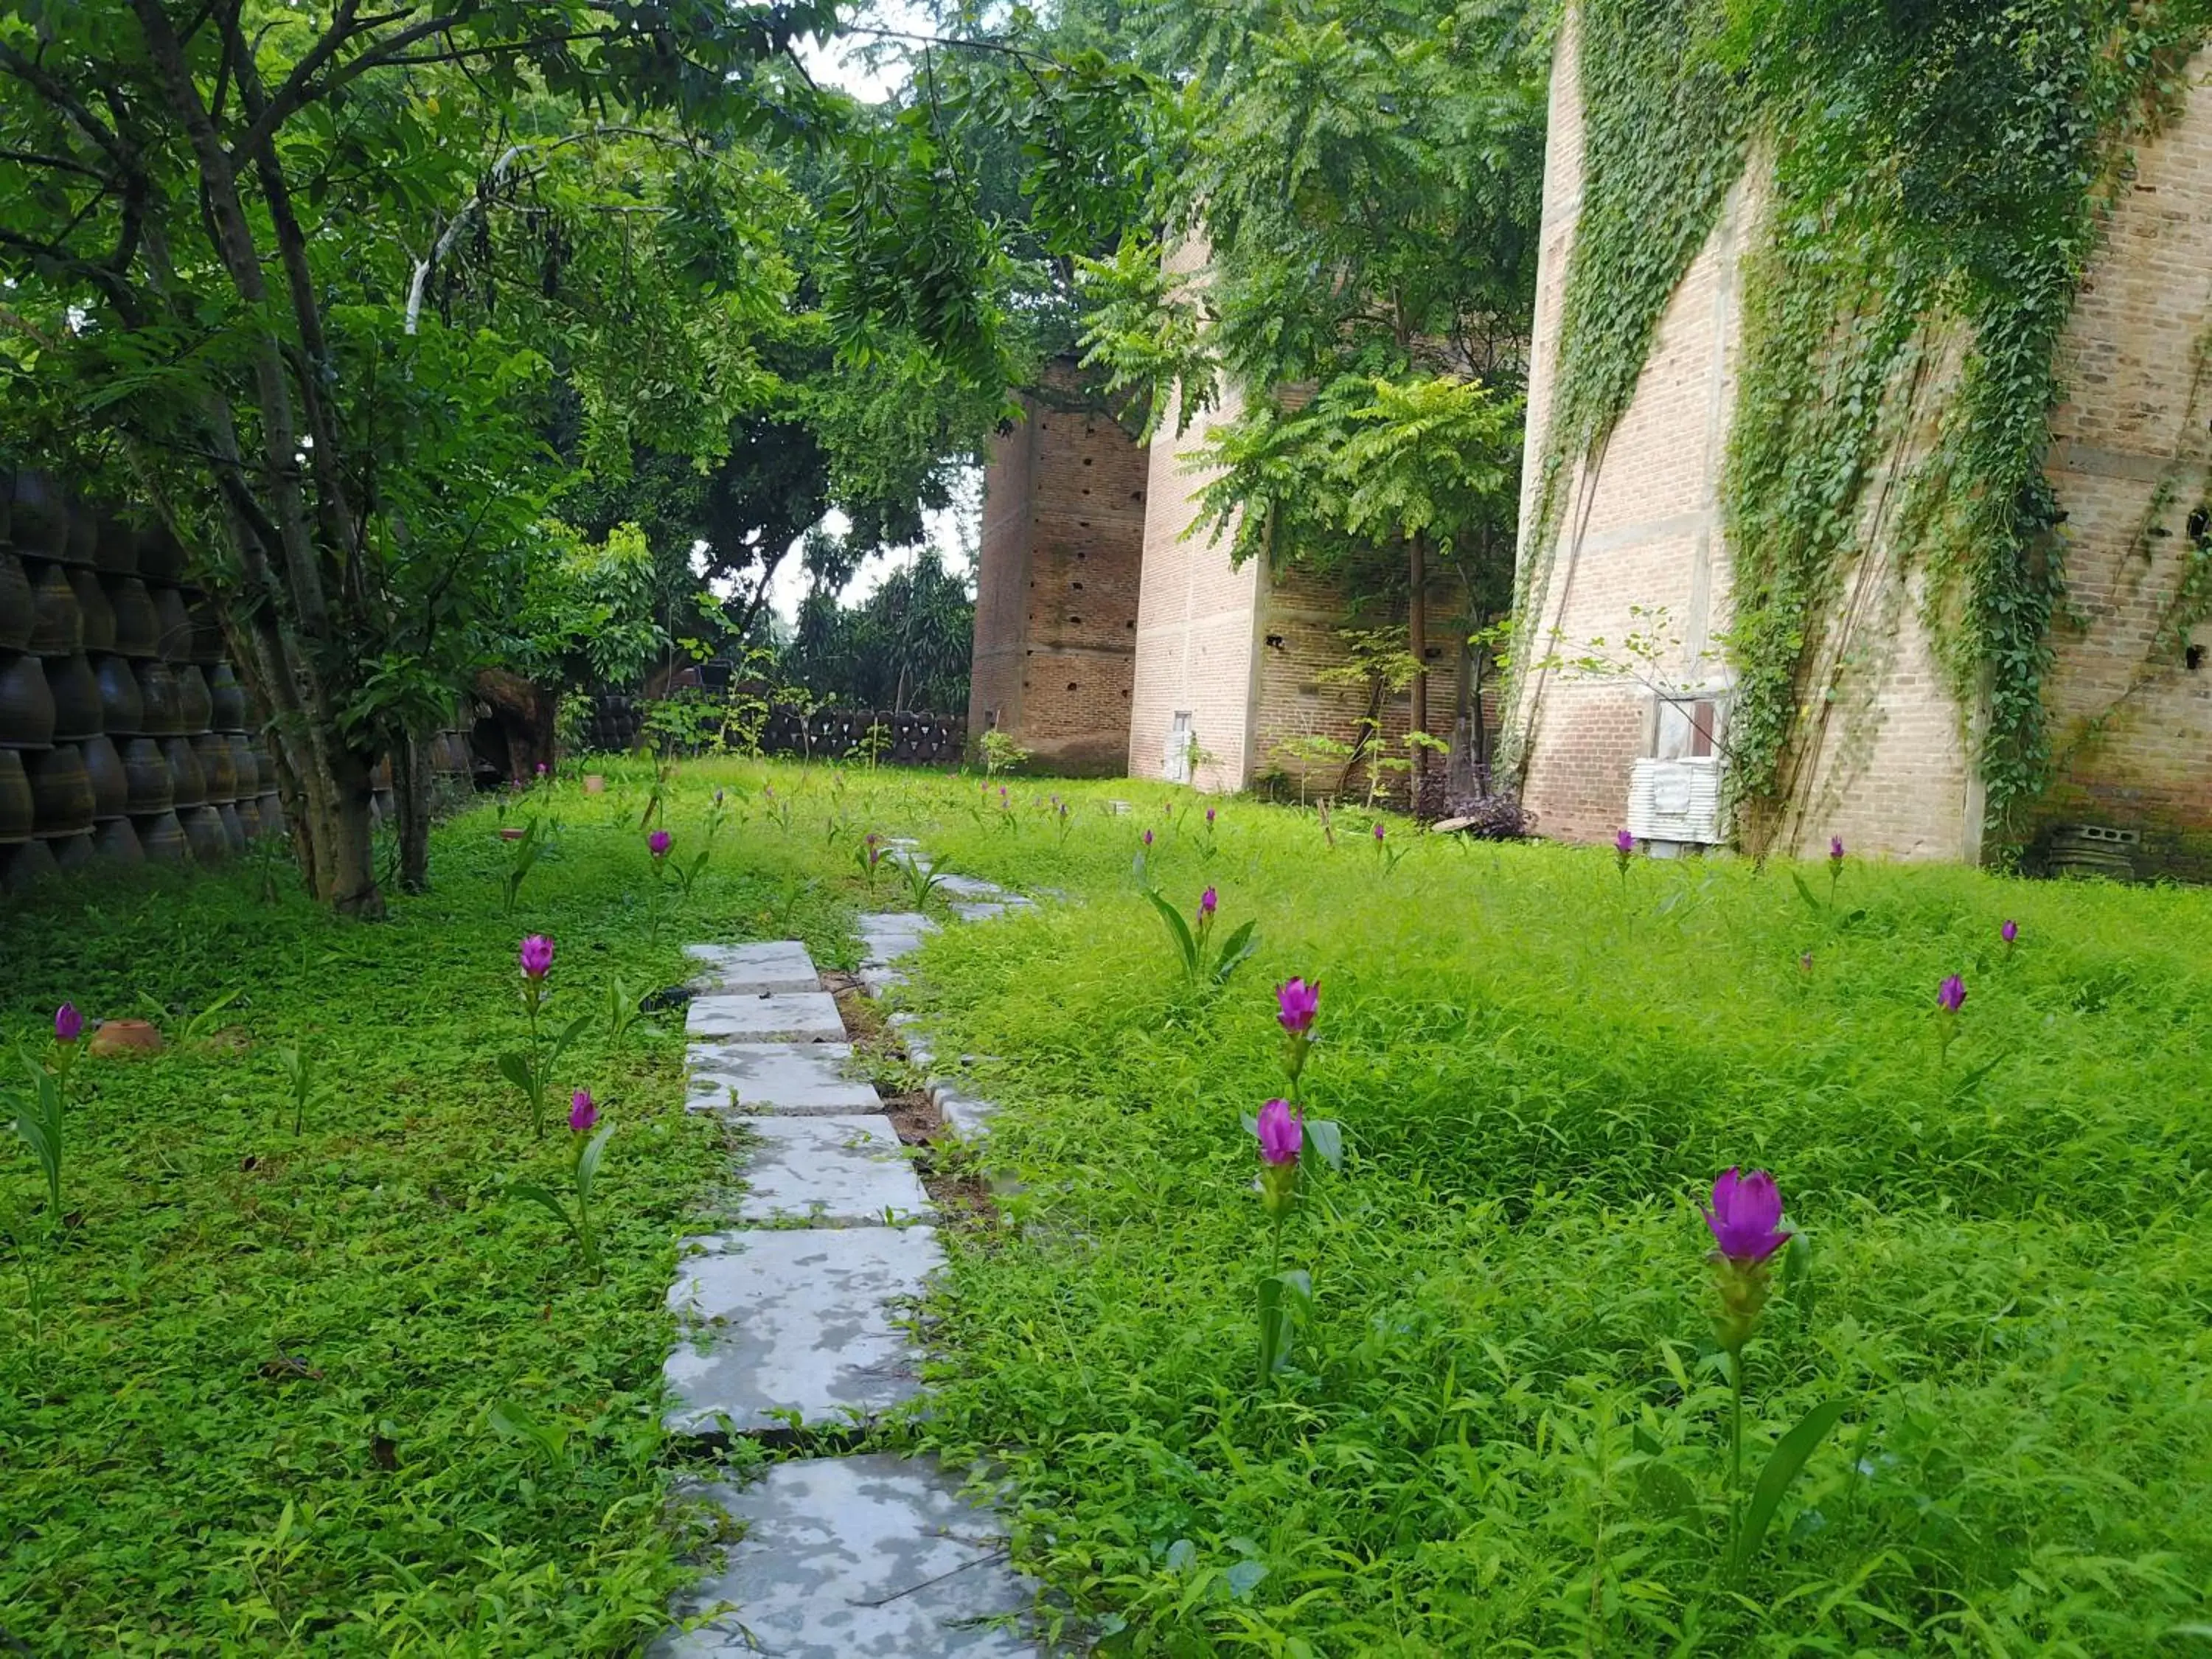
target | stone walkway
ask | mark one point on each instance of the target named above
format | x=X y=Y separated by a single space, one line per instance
x=800 y=1317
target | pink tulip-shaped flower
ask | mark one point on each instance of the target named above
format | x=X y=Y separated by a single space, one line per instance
x=659 y=842
x=1951 y=994
x=1208 y=901
x=1296 y=1003
x=1623 y=843
x=1281 y=1133
x=1835 y=850
x=582 y=1113
x=1209 y=815
x=537 y=957
x=1746 y=1219
x=2009 y=932
x=69 y=1025
x=1378 y=832
x=1148 y=838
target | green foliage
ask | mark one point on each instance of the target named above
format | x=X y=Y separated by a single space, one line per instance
x=1000 y=753
x=574 y=1212
x=1203 y=964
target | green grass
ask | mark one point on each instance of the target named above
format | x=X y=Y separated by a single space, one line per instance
x=1505 y=1430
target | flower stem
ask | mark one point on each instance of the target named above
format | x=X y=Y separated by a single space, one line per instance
x=1735 y=1448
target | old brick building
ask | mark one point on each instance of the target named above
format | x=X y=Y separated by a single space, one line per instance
x=1888 y=761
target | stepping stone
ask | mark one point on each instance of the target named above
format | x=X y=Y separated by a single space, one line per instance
x=973 y=910
x=781 y=1016
x=783 y=965
x=846 y=1171
x=785 y=1077
x=970 y=887
x=797 y=1320
x=965 y=1115
x=919 y=1048
x=894 y=924
x=876 y=981
x=848 y=1557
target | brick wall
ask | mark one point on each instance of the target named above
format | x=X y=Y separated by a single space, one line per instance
x=1056 y=583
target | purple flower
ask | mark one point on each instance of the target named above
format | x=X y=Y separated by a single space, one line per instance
x=582 y=1113
x=659 y=842
x=1378 y=832
x=537 y=957
x=1835 y=850
x=1297 y=1002
x=1208 y=901
x=2009 y=932
x=1951 y=994
x=1746 y=1219
x=69 y=1025
x=1209 y=815
x=541 y=768
x=1280 y=1133
x=1148 y=838
x=1623 y=843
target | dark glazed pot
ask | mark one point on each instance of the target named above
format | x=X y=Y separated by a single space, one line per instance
x=26 y=866
x=118 y=552
x=27 y=704
x=137 y=626
x=164 y=714
x=270 y=808
x=242 y=762
x=229 y=698
x=17 y=612
x=93 y=604
x=161 y=555
x=176 y=637
x=61 y=793
x=38 y=519
x=76 y=697
x=162 y=838
x=187 y=783
x=116 y=841
x=193 y=701
x=122 y=707
x=56 y=624
x=203 y=831
x=71 y=852
x=207 y=632
x=16 y=812
x=216 y=767
x=233 y=827
x=84 y=535
x=111 y=785
x=148 y=785
x=249 y=817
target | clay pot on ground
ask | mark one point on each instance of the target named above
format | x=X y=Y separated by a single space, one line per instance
x=23 y=867
x=270 y=808
x=148 y=787
x=17 y=612
x=207 y=632
x=242 y=762
x=71 y=852
x=137 y=625
x=16 y=812
x=116 y=553
x=249 y=817
x=56 y=624
x=187 y=783
x=115 y=841
x=38 y=517
x=110 y=784
x=76 y=697
x=164 y=715
x=122 y=707
x=27 y=704
x=124 y=1036
x=92 y=604
x=61 y=791
x=195 y=703
x=175 y=642
x=203 y=833
x=594 y=784
x=233 y=827
x=229 y=697
x=162 y=837
x=216 y=767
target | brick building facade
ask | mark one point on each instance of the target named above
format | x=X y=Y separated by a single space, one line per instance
x=1887 y=758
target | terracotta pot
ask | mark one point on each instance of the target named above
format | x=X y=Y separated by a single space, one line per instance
x=137 y=625
x=594 y=784
x=233 y=827
x=76 y=697
x=117 y=555
x=270 y=808
x=162 y=700
x=148 y=785
x=56 y=624
x=61 y=791
x=187 y=783
x=92 y=603
x=162 y=837
x=115 y=841
x=229 y=698
x=511 y=832
x=24 y=868
x=242 y=762
x=265 y=767
x=110 y=784
x=71 y=852
x=176 y=637
x=161 y=555
x=39 y=519
x=207 y=631
x=122 y=707
x=27 y=704
x=129 y=1036
x=194 y=701
x=17 y=613
x=203 y=833
x=15 y=808
x=249 y=817
x=216 y=767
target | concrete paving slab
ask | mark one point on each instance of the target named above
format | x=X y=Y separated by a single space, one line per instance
x=919 y=1048
x=847 y=1170
x=876 y=981
x=970 y=887
x=963 y=1113
x=786 y=1079
x=977 y=910
x=857 y=1557
x=797 y=1319
x=902 y=923
x=781 y=1016
x=781 y=965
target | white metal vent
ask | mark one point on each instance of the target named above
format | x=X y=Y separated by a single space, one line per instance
x=1676 y=800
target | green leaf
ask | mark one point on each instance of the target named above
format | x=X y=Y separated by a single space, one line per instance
x=1178 y=931
x=1324 y=1140
x=530 y=1191
x=515 y=1069
x=1783 y=1465
x=1235 y=949
x=1806 y=893
x=587 y=1161
x=569 y=1033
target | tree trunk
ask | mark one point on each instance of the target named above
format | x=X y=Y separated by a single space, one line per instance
x=524 y=711
x=1417 y=632
x=410 y=793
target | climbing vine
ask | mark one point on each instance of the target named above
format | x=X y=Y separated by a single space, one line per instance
x=1935 y=178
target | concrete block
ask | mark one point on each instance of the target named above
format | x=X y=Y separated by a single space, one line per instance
x=841 y=1172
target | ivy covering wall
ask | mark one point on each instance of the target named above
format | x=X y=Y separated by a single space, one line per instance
x=1935 y=172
